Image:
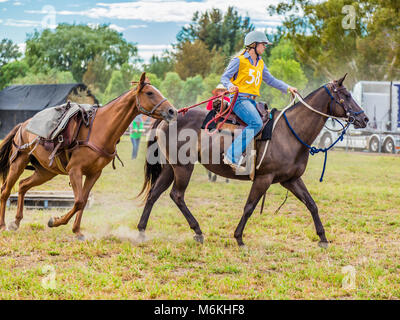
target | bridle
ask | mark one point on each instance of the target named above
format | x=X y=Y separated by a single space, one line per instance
x=351 y=115
x=143 y=110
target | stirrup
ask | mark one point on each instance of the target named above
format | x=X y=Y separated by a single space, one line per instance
x=239 y=170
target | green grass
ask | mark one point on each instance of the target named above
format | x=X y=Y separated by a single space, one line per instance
x=358 y=203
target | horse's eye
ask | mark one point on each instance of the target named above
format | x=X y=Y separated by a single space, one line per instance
x=149 y=93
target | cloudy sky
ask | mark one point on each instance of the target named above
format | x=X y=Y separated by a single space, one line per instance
x=151 y=24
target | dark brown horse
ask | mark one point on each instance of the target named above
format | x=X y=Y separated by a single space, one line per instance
x=89 y=159
x=285 y=161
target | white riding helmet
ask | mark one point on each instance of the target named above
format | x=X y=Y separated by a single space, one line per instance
x=255 y=36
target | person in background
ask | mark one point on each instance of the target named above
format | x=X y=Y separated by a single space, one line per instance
x=217 y=91
x=136 y=129
x=220 y=88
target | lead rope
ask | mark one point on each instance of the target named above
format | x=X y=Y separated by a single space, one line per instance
x=314 y=150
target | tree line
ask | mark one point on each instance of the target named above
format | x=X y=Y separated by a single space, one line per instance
x=316 y=43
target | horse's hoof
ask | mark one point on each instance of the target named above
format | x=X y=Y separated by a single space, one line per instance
x=3 y=227
x=80 y=237
x=13 y=226
x=199 y=238
x=142 y=236
x=323 y=244
x=240 y=242
x=50 y=223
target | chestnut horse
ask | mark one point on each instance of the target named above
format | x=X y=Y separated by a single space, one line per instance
x=89 y=159
x=285 y=161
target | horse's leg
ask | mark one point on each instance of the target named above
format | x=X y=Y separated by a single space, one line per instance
x=16 y=169
x=163 y=182
x=75 y=177
x=299 y=189
x=258 y=188
x=39 y=177
x=182 y=178
x=88 y=185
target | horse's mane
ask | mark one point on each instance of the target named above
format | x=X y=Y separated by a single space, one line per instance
x=120 y=96
x=310 y=95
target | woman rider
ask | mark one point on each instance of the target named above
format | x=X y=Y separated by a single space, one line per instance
x=244 y=73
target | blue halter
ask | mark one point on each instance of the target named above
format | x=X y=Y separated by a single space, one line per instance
x=314 y=150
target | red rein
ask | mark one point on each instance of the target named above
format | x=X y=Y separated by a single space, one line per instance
x=222 y=113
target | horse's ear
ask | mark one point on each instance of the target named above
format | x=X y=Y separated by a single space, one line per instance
x=340 y=81
x=141 y=82
x=143 y=78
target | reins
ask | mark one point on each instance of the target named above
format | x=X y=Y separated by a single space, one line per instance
x=223 y=113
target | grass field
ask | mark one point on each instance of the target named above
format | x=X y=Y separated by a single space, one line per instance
x=359 y=205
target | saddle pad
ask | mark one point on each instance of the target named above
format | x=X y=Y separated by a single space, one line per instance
x=49 y=122
x=267 y=131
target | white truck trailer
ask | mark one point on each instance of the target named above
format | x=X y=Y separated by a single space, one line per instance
x=381 y=102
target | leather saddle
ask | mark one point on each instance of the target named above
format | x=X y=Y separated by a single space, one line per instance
x=234 y=122
x=66 y=139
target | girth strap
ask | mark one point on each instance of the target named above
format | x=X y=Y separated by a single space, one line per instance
x=95 y=148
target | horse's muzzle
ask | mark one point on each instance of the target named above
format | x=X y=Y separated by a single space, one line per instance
x=359 y=122
x=170 y=115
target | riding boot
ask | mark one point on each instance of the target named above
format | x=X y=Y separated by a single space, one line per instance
x=239 y=170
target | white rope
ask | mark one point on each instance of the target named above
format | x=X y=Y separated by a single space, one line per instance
x=273 y=127
x=284 y=110
x=316 y=111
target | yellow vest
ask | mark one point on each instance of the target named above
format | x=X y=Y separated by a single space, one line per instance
x=249 y=77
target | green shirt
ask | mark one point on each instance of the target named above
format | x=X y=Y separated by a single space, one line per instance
x=136 y=129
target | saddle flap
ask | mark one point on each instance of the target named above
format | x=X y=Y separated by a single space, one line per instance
x=66 y=137
x=262 y=108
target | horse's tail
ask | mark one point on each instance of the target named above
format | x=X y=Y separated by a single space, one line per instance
x=151 y=171
x=5 y=152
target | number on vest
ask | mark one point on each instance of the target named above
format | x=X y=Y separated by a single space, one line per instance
x=254 y=79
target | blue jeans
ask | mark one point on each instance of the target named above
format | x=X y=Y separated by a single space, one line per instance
x=135 y=147
x=245 y=109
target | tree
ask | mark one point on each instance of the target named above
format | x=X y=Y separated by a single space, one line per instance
x=190 y=91
x=282 y=65
x=12 y=70
x=336 y=36
x=283 y=50
x=192 y=59
x=116 y=86
x=72 y=47
x=379 y=49
x=210 y=83
x=288 y=71
x=154 y=80
x=53 y=76
x=171 y=87
x=216 y=30
x=8 y=52
x=97 y=74
x=160 y=65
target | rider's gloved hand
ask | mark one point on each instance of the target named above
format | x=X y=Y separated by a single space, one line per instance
x=293 y=90
x=233 y=89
